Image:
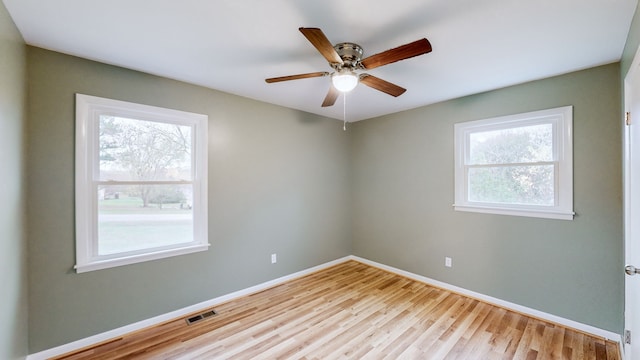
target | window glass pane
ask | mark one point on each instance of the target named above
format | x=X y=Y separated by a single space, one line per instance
x=138 y=150
x=525 y=185
x=515 y=145
x=137 y=217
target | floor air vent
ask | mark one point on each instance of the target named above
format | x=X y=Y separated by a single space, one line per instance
x=199 y=317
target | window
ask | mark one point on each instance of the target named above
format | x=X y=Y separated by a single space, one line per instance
x=516 y=165
x=141 y=183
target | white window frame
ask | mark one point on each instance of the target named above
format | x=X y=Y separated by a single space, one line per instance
x=562 y=120
x=88 y=111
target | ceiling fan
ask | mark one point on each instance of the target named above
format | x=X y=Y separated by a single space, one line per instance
x=345 y=58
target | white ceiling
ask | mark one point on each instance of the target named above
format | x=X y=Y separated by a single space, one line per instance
x=233 y=46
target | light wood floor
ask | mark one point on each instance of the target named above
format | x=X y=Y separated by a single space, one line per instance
x=355 y=311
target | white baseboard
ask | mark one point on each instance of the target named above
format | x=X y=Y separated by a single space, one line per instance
x=79 y=344
x=495 y=301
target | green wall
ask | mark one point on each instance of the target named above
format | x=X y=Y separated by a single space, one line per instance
x=13 y=243
x=278 y=183
x=631 y=46
x=404 y=188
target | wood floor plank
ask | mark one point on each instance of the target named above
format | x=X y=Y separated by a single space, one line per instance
x=355 y=311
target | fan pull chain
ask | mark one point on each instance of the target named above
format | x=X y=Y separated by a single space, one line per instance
x=344 y=112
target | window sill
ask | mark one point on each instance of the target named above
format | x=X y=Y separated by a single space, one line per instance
x=546 y=214
x=133 y=259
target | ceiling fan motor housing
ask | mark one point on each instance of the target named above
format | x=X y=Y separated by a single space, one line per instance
x=350 y=53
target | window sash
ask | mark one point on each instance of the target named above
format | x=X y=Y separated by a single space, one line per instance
x=554 y=185
x=509 y=126
x=97 y=240
x=143 y=118
x=561 y=121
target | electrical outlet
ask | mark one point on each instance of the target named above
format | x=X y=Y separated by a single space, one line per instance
x=447 y=261
x=274 y=258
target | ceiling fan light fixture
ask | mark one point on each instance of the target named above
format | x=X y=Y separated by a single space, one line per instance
x=344 y=80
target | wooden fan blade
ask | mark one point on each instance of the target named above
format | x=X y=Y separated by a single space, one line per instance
x=381 y=85
x=406 y=51
x=317 y=38
x=331 y=97
x=296 y=77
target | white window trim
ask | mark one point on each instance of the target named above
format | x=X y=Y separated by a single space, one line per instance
x=88 y=110
x=562 y=120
